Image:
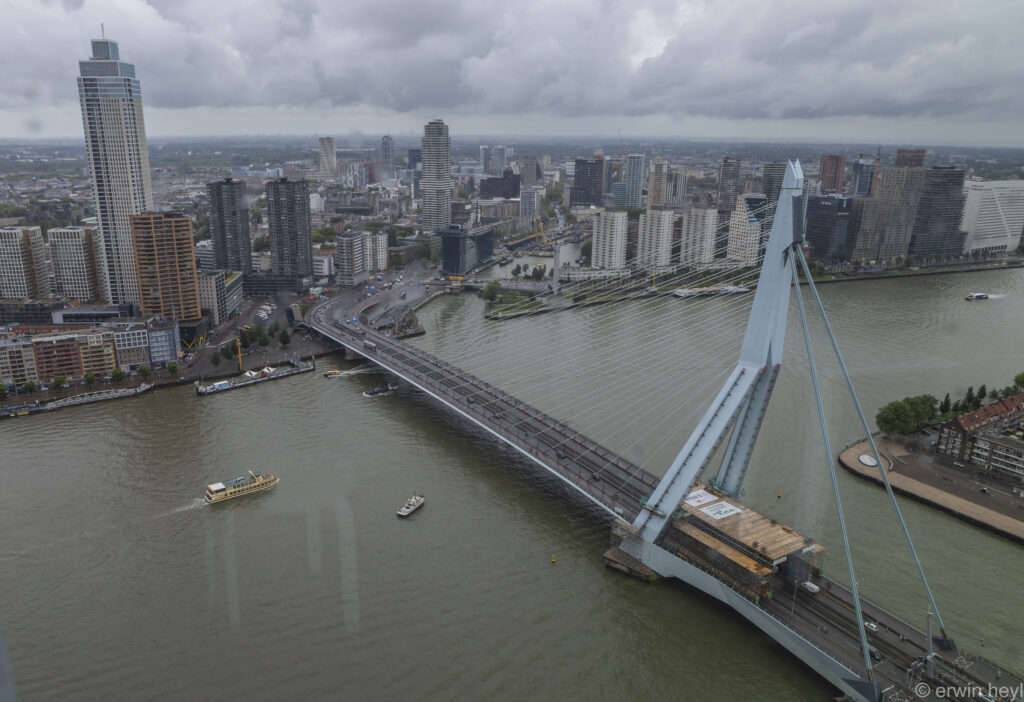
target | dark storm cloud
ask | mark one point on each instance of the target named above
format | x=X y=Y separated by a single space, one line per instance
x=572 y=58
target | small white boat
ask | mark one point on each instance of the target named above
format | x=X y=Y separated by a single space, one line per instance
x=977 y=296
x=411 y=505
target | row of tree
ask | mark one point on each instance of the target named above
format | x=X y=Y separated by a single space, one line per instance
x=912 y=413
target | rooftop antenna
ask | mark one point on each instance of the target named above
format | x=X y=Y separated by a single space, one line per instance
x=103 y=32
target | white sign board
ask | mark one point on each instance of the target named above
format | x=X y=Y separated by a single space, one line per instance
x=720 y=510
x=699 y=497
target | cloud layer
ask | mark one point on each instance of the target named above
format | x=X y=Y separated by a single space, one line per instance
x=568 y=59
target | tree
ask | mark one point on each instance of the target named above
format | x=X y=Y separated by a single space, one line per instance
x=260 y=243
x=172 y=367
x=274 y=328
x=491 y=291
x=283 y=337
x=896 y=418
x=30 y=387
x=264 y=339
x=215 y=358
x=982 y=392
x=58 y=381
x=117 y=375
x=587 y=249
x=923 y=407
x=3 y=392
x=144 y=372
x=519 y=269
x=1018 y=380
x=90 y=378
x=958 y=406
x=969 y=397
x=945 y=405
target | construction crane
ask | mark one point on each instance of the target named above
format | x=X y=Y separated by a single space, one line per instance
x=540 y=230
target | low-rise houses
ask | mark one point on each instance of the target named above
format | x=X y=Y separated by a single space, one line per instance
x=987 y=436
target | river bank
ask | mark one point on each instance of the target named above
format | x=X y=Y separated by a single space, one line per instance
x=962 y=493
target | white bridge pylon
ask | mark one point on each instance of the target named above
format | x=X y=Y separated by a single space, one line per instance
x=743 y=400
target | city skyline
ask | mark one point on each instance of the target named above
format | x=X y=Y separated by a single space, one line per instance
x=851 y=74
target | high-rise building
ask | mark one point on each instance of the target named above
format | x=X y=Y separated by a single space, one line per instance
x=23 y=269
x=747 y=232
x=832 y=172
x=697 y=236
x=350 y=261
x=290 y=229
x=229 y=225
x=328 y=158
x=609 y=243
x=387 y=154
x=507 y=186
x=863 y=176
x=728 y=184
x=415 y=159
x=865 y=229
x=462 y=250
x=654 y=239
x=485 y=159
x=909 y=158
x=993 y=215
x=586 y=183
x=529 y=172
x=166 y=266
x=74 y=251
x=772 y=174
x=436 y=185
x=529 y=202
x=376 y=252
x=634 y=180
x=657 y=184
x=115 y=144
x=937 y=224
x=675 y=189
x=898 y=191
x=220 y=294
x=498 y=154
x=828 y=222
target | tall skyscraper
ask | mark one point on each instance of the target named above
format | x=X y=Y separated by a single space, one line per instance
x=115 y=144
x=654 y=239
x=350 y=260
x=993 y=215
x=728 y=184
x=387 y=154
x=229 y=225
x=485 y=159
x=865 y=229
x=497 y=160
x=697 y=238
x=898 y=192
x=528 y=172
x=635 y=180
x=415 y=159
x=747 y=229
x=328 y=158
x=74 y=251
x=436 y=185
x=909 y=158
x=863 y=176
x=828 y=222
x=832 y=172
x=657 y=184
x=772 y=174
x=166 y=265
x=937 y=225
x=586 y=183
x=290 y=229
x=609 y=247
x=23 y=270
x=675 y=189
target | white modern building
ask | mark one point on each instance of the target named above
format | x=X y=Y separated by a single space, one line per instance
x=328 y=158
x=654 y=240
x=993 y=215
x=634 y=181
x=375 y=252
x=350 y=261
x=436 y=183
x=74 y=252
x=657 y=184
x=747 y=229
x=115 y=144
x=23 y=269
x=698 y=233
x=609 y=244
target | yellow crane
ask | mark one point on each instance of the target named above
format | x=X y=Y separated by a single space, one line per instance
x=540 y=231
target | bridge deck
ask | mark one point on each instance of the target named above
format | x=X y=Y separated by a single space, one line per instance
x=618 y=485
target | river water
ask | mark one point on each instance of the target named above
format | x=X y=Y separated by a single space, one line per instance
x=117 y=582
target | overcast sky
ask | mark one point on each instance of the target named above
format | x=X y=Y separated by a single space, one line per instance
x=885 y=71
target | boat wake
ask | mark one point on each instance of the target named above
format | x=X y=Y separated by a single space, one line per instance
x=358 y=371
x=196 y=503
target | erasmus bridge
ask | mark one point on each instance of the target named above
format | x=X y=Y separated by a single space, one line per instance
x=690 y=523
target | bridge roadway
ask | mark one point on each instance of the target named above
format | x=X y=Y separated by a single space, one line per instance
x=607 y=479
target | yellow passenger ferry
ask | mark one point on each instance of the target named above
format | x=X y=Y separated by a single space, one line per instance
x=254 y=482
x=332 y=374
